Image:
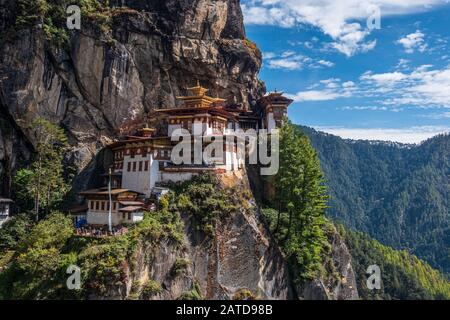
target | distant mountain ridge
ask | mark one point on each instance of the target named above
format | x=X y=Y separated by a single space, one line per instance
x=396 y=193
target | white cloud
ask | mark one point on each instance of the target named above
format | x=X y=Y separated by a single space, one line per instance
x=291 y=60
x=406 y=135
x=285 y=64
x=348 y=84
x=315 y=95
x=326 y=63
x=288 y=60
x=331 y=83
x=422 y=87
x=269 y=55
x=403 y=64
x=343 y=20
x=437 y=116
x=329 y=89
x=413 y=41
x=371 y=108
x=383 y=78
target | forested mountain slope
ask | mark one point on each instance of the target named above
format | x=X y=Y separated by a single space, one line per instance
x=403 y=276
x=398 y=194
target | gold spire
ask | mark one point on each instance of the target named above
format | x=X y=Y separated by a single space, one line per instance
x=146 y=131
x=198 y=97
x=198 y=90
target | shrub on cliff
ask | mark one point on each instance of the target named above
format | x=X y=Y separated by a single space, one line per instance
x=14 y=231
x=51 y=14
x=204 y=200
x=38 y=269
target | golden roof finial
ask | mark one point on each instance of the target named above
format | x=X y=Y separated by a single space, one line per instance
x=198 y=90
x=198 y=97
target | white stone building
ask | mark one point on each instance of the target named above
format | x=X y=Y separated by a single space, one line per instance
x=125 y=207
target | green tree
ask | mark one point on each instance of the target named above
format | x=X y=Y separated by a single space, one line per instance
x=38 y=270
x=31 y=12
x=44 y=183
x=14 y=231
x=300 y=203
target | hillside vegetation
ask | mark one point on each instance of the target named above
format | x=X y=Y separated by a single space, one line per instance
x=398 y=194
x=404 y=276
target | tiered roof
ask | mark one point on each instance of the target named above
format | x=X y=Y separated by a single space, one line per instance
x=198 y=102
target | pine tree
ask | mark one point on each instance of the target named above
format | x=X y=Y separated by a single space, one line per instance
x=301 y=202
x=44 y=183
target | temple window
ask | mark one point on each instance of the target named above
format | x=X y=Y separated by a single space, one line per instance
x=146 y=166
x=187 y=125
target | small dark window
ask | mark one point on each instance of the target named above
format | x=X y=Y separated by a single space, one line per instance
x=129 y=215
x=146 y=166
x=123 y=215
x=134 y=166
x=97 y=205
x=140 y=165
x=92 y=205
x=103 y=206
x=129 y=167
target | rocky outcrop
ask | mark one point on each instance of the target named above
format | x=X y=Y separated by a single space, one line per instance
x=97 y=86
x=340 y=282
x=239 y=257
x=14 y=150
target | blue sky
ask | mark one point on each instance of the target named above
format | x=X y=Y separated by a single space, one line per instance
x=389 y=83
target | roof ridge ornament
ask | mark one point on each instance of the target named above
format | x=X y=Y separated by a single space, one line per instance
x=198 y=97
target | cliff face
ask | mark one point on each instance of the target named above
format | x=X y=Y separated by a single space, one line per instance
x=95 y=87
x=240 y=257
x=340 y=283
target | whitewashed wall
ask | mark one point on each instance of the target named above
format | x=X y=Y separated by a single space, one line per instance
x=139 y=181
